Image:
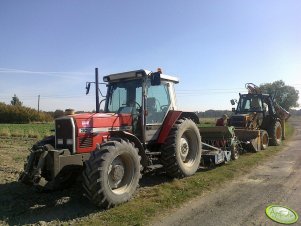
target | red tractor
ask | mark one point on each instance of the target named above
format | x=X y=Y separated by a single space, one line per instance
x=140 y=129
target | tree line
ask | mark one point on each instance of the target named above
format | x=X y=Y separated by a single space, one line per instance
x=286 y=96
x=21 y=114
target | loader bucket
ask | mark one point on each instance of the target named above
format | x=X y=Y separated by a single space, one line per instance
x=250 y=139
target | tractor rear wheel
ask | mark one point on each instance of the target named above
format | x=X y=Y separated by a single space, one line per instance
x=181 y=152
x=264 y=138
x=112 y=173
x=275 y=133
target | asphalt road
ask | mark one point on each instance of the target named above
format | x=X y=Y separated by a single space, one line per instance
x=243 y=201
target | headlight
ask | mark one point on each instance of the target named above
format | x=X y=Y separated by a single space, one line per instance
x=69 y=141
x=60 y=141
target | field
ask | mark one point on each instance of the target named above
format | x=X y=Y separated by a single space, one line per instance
x=26 y=130
x=207 y=121
x=158 y=194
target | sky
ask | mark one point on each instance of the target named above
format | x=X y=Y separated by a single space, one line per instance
x=51 y=48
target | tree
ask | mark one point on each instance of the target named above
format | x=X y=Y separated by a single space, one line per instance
x=286 y=96
x=16 y=101
x=58 y=113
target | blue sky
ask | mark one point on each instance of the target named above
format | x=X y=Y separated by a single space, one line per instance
x=50 y=48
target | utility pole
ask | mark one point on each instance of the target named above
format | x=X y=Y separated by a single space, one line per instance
x=96 y=90
x=38 y=103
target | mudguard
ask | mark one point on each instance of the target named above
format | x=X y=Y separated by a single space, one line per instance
x=170 y=120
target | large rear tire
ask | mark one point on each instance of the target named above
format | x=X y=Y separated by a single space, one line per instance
x=181 y=152
x=112 y=174
x=275 y=134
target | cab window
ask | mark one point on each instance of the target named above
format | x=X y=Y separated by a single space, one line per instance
x=157 y=103
x=124 y=97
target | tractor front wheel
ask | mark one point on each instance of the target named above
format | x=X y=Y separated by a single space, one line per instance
x=264 y=138
x=181 y=152
x=112 y=173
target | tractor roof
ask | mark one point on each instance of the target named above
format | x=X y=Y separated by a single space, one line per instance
x=255 y=95
x=136 y=74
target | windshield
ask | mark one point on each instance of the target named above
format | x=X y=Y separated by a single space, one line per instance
x=158 y=102
x=124 y=97
x=249 y=104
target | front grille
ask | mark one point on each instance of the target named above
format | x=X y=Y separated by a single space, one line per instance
x=63 y=132
x=85 y=142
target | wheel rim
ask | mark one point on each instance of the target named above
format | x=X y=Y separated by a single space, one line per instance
x=184 y=149
x=188 y=148
x=121 y=174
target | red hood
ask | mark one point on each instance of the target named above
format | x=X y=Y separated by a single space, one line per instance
x=99 y=120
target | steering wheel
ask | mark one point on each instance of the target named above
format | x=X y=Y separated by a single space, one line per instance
x=131 y=105
x=135 y=103
x=164 y=107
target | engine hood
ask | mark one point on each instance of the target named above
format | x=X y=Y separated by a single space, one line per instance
x=240 y=115
x=239 y=120
x=102 y=120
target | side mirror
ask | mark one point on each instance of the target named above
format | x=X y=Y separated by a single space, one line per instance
x=232 y=102
x=155 y=79
x=88 y=87
x=233 y=109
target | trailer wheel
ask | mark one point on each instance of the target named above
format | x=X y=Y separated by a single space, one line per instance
x=234 y=152
x=264 y=137
x=181 y=152
x=112 y=174
x=275 y=133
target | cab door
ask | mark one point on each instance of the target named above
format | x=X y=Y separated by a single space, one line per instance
x=157 y=105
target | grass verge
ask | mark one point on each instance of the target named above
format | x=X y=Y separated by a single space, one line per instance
x=153 y=201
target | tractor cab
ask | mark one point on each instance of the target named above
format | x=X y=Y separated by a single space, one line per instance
x=259 y=103
x=253 y=110
x=146 y=96
x=257 y=111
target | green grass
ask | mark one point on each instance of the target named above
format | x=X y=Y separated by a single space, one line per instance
x=207 y=122
x=37 y=131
